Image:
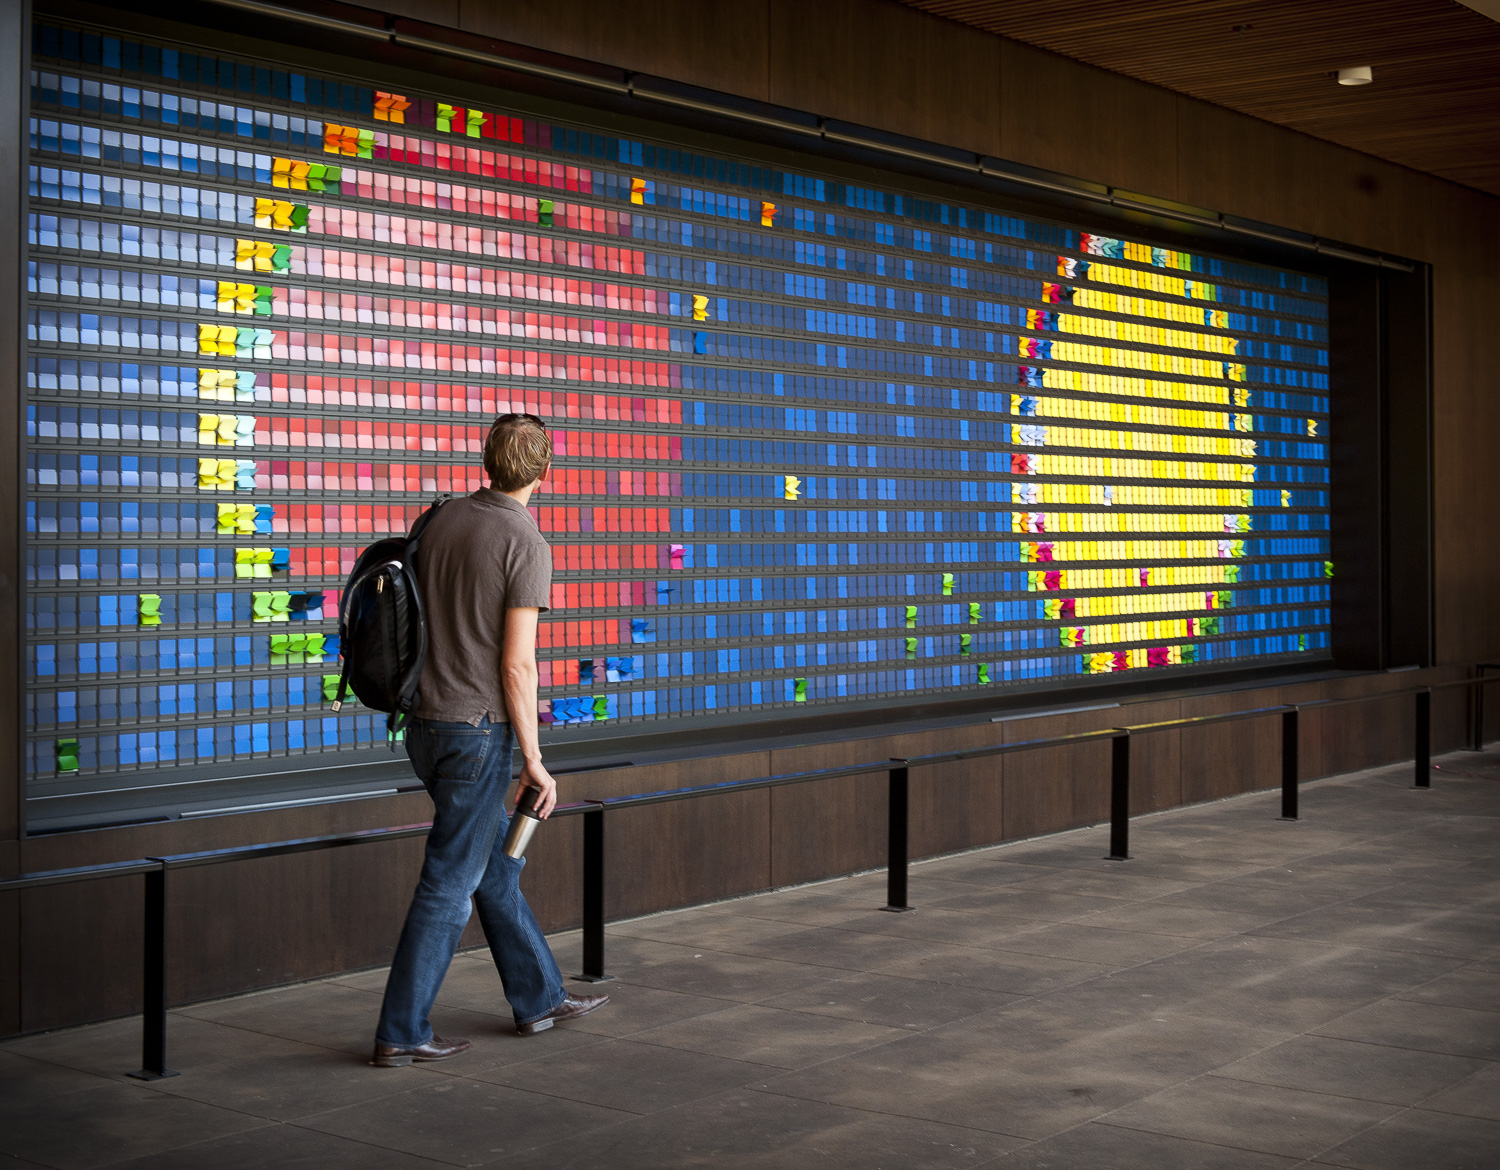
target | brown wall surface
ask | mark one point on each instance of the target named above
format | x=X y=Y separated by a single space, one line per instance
x=69 y=954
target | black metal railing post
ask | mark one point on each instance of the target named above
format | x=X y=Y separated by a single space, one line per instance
x=898 y=827
x=1422 y=761
x=1119 y=797
x=593 y=898
x=154 y=969
x=1289 y=765
x=1476 y=713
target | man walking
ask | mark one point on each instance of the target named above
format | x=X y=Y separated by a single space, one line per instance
x=485 y=574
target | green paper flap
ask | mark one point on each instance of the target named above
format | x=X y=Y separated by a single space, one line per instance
x=67 y=755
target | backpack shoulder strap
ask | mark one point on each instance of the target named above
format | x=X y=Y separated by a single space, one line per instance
x=406 y=699
x=419 y=526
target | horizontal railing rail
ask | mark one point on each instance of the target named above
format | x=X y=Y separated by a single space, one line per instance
x=155 y=869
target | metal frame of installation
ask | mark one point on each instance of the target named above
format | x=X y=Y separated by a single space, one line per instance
x=816 y=443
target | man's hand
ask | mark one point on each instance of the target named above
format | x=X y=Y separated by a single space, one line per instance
x=533 y=775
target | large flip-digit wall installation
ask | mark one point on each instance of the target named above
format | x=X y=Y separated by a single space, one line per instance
x=816 y=443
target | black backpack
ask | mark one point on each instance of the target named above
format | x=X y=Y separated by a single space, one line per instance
x=383 y=629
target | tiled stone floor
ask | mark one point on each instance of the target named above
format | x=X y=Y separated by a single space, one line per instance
x=1245 y=993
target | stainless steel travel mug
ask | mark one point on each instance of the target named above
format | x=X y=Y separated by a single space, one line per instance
x=523 y=823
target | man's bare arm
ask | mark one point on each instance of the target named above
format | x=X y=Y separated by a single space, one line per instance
x=518 y=675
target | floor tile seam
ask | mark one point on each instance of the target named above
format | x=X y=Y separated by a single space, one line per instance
x=1425 y=1106
x=277 y=1036
x=1197 y=944
x=456 y=1071
x=370 y=1145
x=1313 y=1031
x=763 y=958
x=770 y=1092
x=1033 y=923
x=121 y=1080
x=1218 y=1075
x=284 y=1125
x=790 y=1096
x=1324 y=906
x=1488 y=1066
x=1301 y=1160
x=624 y=980
x=1181 y=1138
x=1393 y=952
x=980 y=951
x=167 y=1149
x=1405 y=997
x=166 y=1088
x=1298 y=1160
x=1321 y=908
x=630 y=1119
x=1360 y=1132
x=843 y=929
x=937 y=944
x=1069 y=958
x=757 y=1072
x=906 y=1034
x=790 y=1010
x=1206 y=1073
x=638 y=1038
x=103 y=1078
x=816 y=966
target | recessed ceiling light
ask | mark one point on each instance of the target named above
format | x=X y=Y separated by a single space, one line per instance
x=1359 y=75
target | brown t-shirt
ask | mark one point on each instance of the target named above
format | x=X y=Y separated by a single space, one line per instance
x=478 y=557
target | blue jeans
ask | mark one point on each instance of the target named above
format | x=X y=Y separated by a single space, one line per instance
x=467 y=772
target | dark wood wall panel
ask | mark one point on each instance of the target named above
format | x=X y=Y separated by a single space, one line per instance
x=715 y=45
x=10 y=963
x=1051 y=789
x=873 y=65
x=687 y=852
x=669 y=854
x=59 y=850
x=828 y=827
x=1229 y=758
x=1368 y=734
x=1466 y=374
x=1078 y=120
x=281 y=919
x=959 y=805
x=80 y=949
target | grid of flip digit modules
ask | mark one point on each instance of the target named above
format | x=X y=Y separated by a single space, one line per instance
x=816 y=443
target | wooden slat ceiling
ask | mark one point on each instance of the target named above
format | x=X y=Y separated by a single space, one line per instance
x=1434 y=104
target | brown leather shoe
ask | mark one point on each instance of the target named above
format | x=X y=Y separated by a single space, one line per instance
x=435 y=1049
x=570 y=1009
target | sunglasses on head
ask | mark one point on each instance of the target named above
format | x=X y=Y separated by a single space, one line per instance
x=505 y=418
